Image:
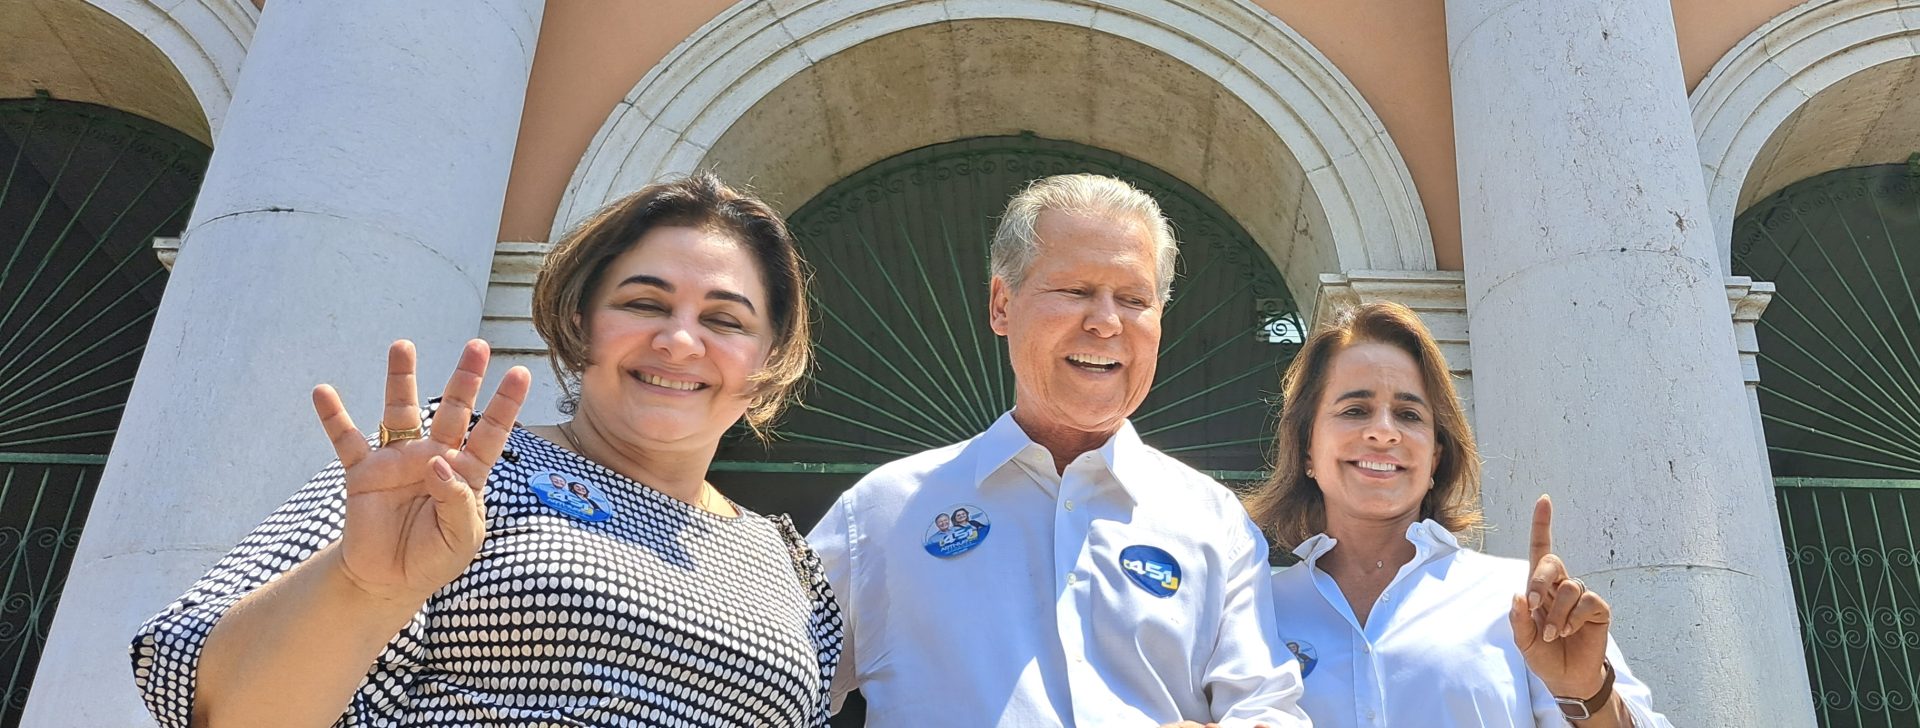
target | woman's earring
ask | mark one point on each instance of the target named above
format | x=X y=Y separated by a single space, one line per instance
x=1309 y=473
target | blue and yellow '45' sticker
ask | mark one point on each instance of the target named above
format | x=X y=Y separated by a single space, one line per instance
x=1152 y=568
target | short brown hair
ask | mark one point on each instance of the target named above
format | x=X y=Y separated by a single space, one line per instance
x=573 y=269
x=1289 y=505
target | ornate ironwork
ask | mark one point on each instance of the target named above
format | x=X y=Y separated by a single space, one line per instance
x=1840 y=401
x=1279 y=323
x=1840 y=344
x=1850 y=551
x=83 y=193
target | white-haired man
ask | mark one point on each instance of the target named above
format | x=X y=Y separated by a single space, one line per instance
x=1110 y=585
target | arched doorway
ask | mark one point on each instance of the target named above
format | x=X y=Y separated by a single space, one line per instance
x=1223 y=96
x=907 y=362
x=1840 y=402
x=84 y=190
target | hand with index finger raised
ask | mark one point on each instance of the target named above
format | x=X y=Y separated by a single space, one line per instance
x=1543 y=568
x=1558 y=624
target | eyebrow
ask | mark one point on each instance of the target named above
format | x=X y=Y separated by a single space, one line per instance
x=1368 y=394
x=661 y=283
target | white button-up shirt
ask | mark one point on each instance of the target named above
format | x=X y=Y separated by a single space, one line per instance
x=1129 y=590
x=1437 y=649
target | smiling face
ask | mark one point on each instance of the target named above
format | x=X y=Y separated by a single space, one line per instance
x=1083 y=327
x=676 y=326
x=1372 y=448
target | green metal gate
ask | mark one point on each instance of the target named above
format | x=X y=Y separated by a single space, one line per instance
x=1840 y=402
x=907 y=362
x=84 y=192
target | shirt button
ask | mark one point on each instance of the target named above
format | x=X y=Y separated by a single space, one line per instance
x=1367 y=649
x=1069 y=504
x=1369 y=715
x=1073 y=579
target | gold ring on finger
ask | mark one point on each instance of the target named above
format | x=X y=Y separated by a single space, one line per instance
x=390 y=435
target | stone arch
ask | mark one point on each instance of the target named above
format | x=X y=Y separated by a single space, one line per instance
x=1305 y=165
x=1820 y=69
x=205 y=41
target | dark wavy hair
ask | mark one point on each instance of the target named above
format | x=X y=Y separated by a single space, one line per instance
x=1289 y=505
x=574 y=267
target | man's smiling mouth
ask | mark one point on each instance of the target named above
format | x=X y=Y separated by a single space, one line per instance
x=1092 y=362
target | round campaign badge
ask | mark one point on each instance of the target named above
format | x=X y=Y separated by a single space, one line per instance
x=1303 y=652
x=571 y=495
x=956 y=530
x=1152 y=569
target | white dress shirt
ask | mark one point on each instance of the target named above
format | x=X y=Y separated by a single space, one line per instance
x=1437 y=649
x=1040 y=623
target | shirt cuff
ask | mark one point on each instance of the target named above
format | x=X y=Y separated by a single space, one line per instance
x=166 y=657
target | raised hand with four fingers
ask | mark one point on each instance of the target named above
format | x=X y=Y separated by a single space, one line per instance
x=415 y=514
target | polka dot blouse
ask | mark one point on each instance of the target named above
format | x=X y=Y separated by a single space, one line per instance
x=616 y=606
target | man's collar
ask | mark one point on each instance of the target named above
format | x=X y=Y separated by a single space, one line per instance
x=1430 y=541
x=1127 y=458
x=1000 y=443
x=1124 y=455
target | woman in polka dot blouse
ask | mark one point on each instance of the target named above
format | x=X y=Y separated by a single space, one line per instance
x=482 y=573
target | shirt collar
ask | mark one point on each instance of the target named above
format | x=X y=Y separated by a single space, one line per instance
x=1126 y=458
x=1124 y=454
x=998 y=445
x=1430 y=541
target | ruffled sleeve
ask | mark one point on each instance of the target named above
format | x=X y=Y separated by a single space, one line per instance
x=166 y=649
x=824 y=624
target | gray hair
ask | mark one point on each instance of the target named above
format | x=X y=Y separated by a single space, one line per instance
x=1015 y=241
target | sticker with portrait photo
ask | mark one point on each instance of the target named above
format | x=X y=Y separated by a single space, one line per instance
x=1303 y=652
x=956 y=530
x=570 y=495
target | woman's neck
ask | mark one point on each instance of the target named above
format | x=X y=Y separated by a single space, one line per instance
x=679 y=473
x=1367 y=548
x=1365 y=560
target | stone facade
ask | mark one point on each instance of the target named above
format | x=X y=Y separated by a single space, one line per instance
x=362 y=158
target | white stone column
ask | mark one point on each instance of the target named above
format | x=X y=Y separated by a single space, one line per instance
x=353 y=197
x=1603 y=349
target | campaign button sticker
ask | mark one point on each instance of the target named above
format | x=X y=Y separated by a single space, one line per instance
x=1151 y=568
x=571 y=495
x=1304 y=653
x=956 y=530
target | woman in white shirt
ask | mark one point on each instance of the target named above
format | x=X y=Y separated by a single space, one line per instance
x=1394 y=622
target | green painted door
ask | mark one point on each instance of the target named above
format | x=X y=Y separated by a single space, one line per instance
x=1840 y=403
x=907 y=362
x=84 y=192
